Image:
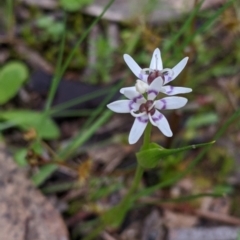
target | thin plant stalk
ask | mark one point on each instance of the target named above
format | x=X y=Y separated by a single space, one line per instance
x=45 y=171
x=10 y=19
x=206 y=26
x=63 y=68
x=77 y=141
x=185 y=26
x=61 y=107
x=125 y=203
x=57 y=76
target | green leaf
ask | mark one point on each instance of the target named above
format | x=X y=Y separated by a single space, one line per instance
x=56 y=29
x=223 y=190
x=44 y=22
x=115 y=216
x=150 y=146
x=44 y=172
x=150 y=158
x=26 y=120
x=74 y=5
x=12 y=76
x=20 y=157
x=202 y=120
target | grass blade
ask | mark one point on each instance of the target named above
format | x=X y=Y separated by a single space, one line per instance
x=184 y=27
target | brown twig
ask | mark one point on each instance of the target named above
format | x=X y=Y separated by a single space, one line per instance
x=218 y=217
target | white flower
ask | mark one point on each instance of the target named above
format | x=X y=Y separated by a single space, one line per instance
x=155 y=70
x=145 y=110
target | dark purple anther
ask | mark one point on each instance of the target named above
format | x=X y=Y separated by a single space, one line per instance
x=142 y=108
x=154 y=74
x=146 y=107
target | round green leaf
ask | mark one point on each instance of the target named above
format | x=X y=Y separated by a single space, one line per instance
x=12 y=76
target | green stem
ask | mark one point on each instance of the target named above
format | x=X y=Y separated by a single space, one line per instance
x=147 y=135
x=136 y=181
x=10 y=19
x=139 y=170
x=127 y=200
x=94 y=233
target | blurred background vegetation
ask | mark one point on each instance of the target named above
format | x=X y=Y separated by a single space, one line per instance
x=61 y=63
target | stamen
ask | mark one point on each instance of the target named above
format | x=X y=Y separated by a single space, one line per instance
x=154 y=103
x=156 y=61
x=168 y=71
x=153 y=75
x=146 y=70
x=151 y=120
x=137 y=114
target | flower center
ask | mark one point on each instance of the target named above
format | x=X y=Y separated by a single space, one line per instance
x=147 y=107
x=154 y=74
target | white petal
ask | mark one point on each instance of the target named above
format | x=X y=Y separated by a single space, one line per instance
x=156 y=61
x=162 y=123
x=137 y=129
x=132 y=65
x=136 y=103
x=127 y=88
x=120 y=106
x=168 y=75
x=136 y=99
x=170 y=90
x=156 y=84
x=154 y=88
x=132 y=93
x=144 y=77
x=170 y=103
x=179 y=67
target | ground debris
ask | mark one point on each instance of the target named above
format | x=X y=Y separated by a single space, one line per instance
x=46 y=4
x=213 y=233
x=153 y=227
x=177 y=220
x=110 y=156
x=163 y=10
x=25 y=214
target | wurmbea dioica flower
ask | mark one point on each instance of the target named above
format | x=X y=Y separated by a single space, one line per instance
x=147 y=75
x=147 y=109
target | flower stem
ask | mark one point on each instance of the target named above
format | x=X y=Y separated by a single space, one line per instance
x=147 y=135
x=128 y=199
x=136 y=181
x=139 y=170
